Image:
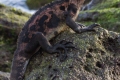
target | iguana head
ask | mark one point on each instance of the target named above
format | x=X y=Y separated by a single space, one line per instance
x=76 y=5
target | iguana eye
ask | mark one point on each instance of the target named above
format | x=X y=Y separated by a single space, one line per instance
x=72 y=8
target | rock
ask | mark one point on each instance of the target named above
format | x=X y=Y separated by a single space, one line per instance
x=4 y=75
x=91 y=4
x=11 y=22
x=97 y=58
x=88 y=16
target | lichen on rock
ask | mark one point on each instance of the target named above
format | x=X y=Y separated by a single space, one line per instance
x=11 y=23
x=4 y=75
x=97 y=58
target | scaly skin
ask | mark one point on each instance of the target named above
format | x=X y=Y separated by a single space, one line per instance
x=43 y=26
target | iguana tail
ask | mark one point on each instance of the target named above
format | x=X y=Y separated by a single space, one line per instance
x=19 y=65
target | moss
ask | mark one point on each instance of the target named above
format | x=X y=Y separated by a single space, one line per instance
x=11 y=22
x=2 y=6
x=108 y=18
x=5 y=67
x=13 y=16
x=106 y=13
x=37 y=3
x=88 y=67
x=91 y=58
x=8 y=36
x=19 y=12
x=108 y=4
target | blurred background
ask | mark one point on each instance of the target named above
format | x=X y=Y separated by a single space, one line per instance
x=29 y=6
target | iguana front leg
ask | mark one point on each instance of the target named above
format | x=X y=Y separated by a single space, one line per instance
x=40 y=40
x=79 y=28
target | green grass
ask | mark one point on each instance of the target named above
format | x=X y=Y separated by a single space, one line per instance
x=108 y=15
x=11 y=22
x=108 y=4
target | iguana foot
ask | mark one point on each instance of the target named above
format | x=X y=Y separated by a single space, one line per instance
x=91 y=27
x=62 y=47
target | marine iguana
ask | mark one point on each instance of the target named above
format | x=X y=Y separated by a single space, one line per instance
x=42 y=27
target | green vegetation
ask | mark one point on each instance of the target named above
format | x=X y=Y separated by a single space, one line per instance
x=35 y=4
x=106 y=13
x=108 y=4
x=11 y=22
x=94 y=58
x=13 y=16
x=1 y=6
